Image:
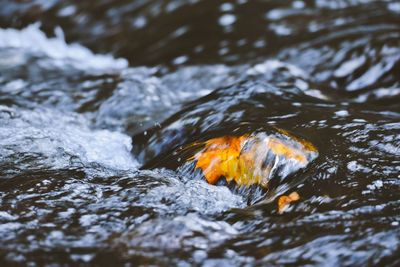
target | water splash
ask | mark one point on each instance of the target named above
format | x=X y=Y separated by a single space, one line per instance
x=48 y=139
x=57 y=52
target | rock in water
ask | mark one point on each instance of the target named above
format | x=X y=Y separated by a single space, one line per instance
x=252 y=159
x=251 y=164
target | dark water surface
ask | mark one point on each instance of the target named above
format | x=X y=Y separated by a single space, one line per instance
x=96 y=97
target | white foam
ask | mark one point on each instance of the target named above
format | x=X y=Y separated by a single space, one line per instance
x=57 y=140
x=31 y=39
x=271 y=65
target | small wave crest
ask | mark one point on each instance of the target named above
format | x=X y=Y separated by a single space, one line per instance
x=32 y=40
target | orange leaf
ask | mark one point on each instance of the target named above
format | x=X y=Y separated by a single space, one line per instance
x=252 y=159
x=284 y=201
x=218 y=155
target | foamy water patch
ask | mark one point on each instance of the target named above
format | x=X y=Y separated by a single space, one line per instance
x=192 y=195
x=50 y=139
x=31 y=39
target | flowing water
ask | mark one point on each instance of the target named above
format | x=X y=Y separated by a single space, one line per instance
x=98 y=98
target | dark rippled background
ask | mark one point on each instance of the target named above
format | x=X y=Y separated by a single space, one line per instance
x=79 y=80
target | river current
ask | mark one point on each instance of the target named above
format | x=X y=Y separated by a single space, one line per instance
x=97 y=98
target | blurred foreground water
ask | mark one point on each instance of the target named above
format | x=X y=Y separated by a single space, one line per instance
x=95 y=98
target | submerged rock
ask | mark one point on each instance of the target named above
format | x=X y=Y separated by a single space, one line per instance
x=252 y=159
x=250 y=164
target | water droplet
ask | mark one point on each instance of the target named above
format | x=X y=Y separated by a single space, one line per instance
x=227 y=20
x=180 y=60
x=342 y=113
x=298 y=4
x=225 y=7
x=140 y=22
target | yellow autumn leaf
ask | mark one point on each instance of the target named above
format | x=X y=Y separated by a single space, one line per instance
x=251 y=159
